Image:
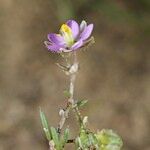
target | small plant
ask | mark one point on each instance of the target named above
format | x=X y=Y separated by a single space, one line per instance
x=74 y=37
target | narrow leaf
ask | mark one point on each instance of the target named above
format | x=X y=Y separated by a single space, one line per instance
x=81 y=103
x=66 y=135
x=67 y=94
x=45 y=125
x=64 y=138
x=55 y=137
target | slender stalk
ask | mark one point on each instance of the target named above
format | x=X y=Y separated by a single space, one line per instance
x=78 y=115
x=71 y=102
x=73 y=77
x=72 y=84
x=72 y=74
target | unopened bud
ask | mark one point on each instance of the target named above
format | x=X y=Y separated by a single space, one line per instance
x=45 y=129
x=73 y=68
x=85 y=120
x=61 y=112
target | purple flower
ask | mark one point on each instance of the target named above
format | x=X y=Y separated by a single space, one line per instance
x=72 y=36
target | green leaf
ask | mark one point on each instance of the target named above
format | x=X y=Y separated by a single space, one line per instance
x=64 y=138
x=45 y=125
x=83 y=139
x=55 y=138
x=86 y=141
x=67 y=94
x=81 y=103
x=79 y=143
x=66 y=135
x=91 y=139
x=109 y=140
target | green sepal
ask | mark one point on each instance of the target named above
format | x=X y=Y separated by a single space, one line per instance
x=45 y=125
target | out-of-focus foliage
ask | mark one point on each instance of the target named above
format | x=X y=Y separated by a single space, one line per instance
x=109 y=140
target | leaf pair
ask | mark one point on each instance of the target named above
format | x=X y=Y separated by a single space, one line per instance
x=52 y=133
x=104 y=140
x=86 y=141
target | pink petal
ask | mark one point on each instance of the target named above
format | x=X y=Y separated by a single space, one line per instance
x=52 y=47
x=74 y=28
x=83 y=25
x=55 y=38
x=86 y=32
x=77 y=45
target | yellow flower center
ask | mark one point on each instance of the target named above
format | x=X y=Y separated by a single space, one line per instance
x=67 y=34
x=65 y=28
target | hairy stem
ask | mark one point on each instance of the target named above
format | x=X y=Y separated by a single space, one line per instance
x=64 y=116
x=73 y=77
x=71 y=102
x=72 y=84
x=72 y=74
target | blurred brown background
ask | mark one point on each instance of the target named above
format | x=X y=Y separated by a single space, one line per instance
x=114 y=74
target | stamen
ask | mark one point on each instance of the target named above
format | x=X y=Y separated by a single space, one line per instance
x=65 y=28
x=66 y=32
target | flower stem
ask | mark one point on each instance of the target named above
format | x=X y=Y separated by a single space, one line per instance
x=71 y=90
x=71 y=104
x=73 y=78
